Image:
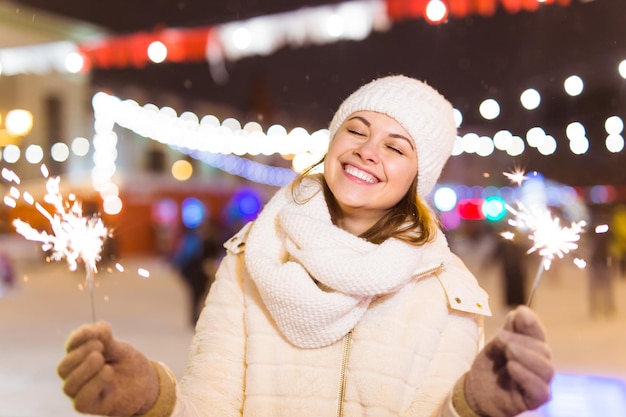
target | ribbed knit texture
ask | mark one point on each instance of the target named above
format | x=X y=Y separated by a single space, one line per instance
x=424 y=113
x=316 y=279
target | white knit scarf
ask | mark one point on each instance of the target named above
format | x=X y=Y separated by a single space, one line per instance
x=316 y=279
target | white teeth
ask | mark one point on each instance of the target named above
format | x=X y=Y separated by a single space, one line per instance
x=360 y=174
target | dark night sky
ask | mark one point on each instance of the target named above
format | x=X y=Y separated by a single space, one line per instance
x=468 y=60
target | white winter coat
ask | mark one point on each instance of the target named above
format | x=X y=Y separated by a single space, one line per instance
x=401 y=359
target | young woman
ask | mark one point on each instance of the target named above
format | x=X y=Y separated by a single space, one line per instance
x=341 y=299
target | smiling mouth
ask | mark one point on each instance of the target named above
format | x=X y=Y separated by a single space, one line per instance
x=362 y=175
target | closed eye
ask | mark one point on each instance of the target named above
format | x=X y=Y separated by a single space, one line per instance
x=355 y=132
x=396 y=149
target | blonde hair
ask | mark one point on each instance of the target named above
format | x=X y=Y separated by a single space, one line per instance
x=410 y=220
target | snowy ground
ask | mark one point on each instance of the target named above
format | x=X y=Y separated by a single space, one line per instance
x=37 y=316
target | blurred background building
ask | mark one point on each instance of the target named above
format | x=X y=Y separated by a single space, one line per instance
x=140 y=105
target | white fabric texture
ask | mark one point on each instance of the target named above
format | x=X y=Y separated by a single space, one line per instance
x=316 y=279
x=407 y=352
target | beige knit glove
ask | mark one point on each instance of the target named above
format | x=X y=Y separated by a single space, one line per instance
x=106 y=376
x=512 y=373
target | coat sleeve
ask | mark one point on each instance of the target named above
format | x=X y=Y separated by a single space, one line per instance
x=213 y=382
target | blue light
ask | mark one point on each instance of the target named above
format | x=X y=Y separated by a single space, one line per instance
x=602 y=194
x=193 y=212
x=586 y=396
x=244 y=205
x=249 y=205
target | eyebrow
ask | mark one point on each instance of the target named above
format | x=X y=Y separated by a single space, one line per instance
x=393 y=135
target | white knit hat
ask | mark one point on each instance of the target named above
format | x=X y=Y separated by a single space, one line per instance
x=424 y=113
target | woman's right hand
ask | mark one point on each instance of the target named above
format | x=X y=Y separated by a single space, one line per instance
x=106 y=376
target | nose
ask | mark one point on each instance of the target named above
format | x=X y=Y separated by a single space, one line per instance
x=367 y=151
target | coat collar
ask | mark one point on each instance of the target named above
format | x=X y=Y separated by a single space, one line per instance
x=462 y=289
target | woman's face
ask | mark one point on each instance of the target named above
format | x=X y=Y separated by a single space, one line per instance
x=370 y=165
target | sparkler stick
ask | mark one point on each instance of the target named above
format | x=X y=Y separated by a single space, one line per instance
x=74 y=237
x=536 y=280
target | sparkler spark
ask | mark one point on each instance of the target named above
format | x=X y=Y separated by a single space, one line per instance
x=74 y=237
x=518 y=176
x=550 y=239
x=507 y=235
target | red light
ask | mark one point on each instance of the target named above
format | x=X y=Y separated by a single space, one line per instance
x=471 y=209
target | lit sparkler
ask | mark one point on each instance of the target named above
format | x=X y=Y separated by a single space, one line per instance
x=518 y=176
x=75 y=238
x=550 y=239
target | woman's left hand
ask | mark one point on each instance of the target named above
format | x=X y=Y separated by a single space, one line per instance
x=513 y=372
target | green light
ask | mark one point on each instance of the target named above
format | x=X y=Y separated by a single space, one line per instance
x=494 y=208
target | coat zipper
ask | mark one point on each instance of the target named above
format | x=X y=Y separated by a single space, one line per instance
x=347 y=341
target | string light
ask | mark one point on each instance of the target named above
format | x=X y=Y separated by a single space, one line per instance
x=350 y=20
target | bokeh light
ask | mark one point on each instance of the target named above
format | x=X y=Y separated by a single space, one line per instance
x=445 y=199
x=193 y=212
x=574 y=85
x=489 y=109
x=59 y=152
x=530 y=99
x=182 y=170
